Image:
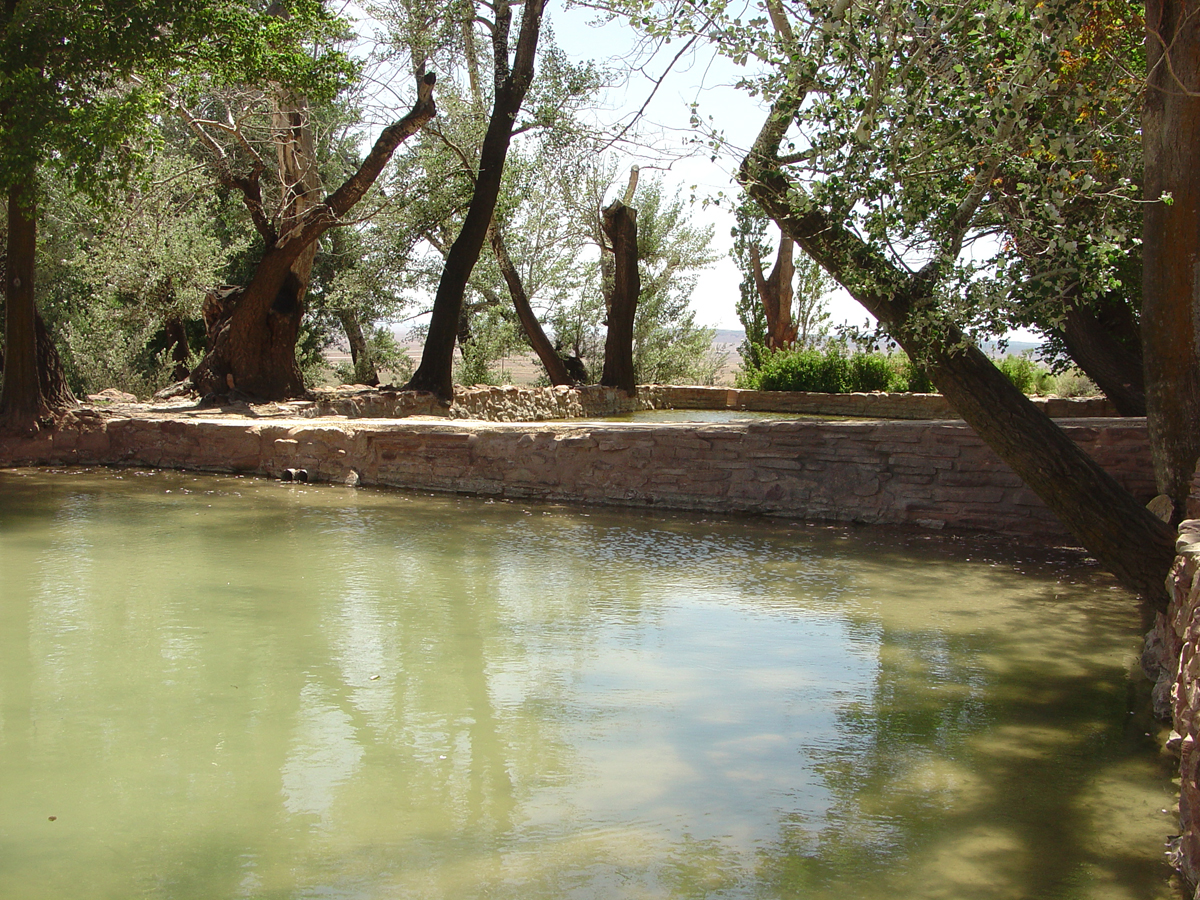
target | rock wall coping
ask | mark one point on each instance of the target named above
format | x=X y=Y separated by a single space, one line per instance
x=930 y=473
x=525 y=404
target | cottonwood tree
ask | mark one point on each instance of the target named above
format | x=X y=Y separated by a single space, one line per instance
x=787 y=307
x=64 y=96
x=512 y=73
x=1171 y=238
x=892 y=133
x=667 y=345
x=252 y=347
x=531 y=239
x=79 y=84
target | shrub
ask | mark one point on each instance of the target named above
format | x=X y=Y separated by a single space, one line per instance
x=872 y=372
x=912 y=377
x=805 y=370
x=1021 y=371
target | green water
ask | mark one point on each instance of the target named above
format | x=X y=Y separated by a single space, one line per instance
x=225 y=688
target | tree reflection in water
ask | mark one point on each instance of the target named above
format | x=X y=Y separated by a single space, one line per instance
x=229 y=687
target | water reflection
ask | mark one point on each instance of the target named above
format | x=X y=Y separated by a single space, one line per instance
x=222 y=687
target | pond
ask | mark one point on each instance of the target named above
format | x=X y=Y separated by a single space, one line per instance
x=226 y=687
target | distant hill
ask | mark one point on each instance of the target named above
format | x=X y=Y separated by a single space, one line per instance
x=731 y=338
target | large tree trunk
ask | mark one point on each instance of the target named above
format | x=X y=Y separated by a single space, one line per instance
x=556 y=368
x=776 y=293
x=620 y=225
x=1107 y=347
x=34 y=383
x=21 y=403
x=436 y=371
x=1111 y=524
x=253 y=348
x=1171 y=243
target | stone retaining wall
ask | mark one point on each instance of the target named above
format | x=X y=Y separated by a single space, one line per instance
x=1172 y=658
x=934 y=474
x=524 y=404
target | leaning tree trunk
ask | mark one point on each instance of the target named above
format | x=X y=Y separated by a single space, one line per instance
x=34 y=383
x=1110 y=523
x=556 y=368
x=435 y=374
x=253 y=350
x=620 y=226
x=1116 y=366
x=1171 y=243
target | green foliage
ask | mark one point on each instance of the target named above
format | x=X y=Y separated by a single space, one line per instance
x=668 y=346
x=385 y=357
x=78 y=81
x=493 y=336
x=1021 y=371
x=871 y=372
x=925 y=128
x=750 y=228
x=834 y=370
x=825 y=371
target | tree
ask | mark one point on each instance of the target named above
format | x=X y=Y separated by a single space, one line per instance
x=761 y=302
x=620 y=227
x=253 y=341
x=892 y=131
x=1171 y=238
x=77 y=84
x=512 y=80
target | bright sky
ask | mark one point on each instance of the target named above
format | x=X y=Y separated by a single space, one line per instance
x=706 y=80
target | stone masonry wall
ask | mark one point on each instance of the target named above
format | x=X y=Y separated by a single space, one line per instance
x=934 y=474
x=526 y=404
x=1172 y=658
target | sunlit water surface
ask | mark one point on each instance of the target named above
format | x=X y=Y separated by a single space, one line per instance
x=222 y=688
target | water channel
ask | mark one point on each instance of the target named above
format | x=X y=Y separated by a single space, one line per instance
x=217 y=687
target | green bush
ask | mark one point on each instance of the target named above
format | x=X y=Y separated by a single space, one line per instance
x=913 y=377
x=1021 y=371
x=872 y=372
x=805 y=370
x=831 y=371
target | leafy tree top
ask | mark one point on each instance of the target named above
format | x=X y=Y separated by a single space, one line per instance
x=79 y=80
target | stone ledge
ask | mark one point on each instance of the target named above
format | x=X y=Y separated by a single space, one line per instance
x=934 y=473
x=514 y=404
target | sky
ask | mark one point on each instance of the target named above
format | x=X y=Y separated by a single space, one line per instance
x=707 y=80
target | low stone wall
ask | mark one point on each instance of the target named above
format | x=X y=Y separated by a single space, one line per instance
x=934 y=474
x=525 y=404
x=1172 y=658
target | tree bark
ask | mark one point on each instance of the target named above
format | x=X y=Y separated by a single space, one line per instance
x=34 y=383
x=556 y=369
x=1124 y=536
x=1094 y=341
x=21 y=403
x=435 y=374
x=1171 y=243
x=254 y=348
x=776 y=293
x=620 y=225
x=178 y=343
